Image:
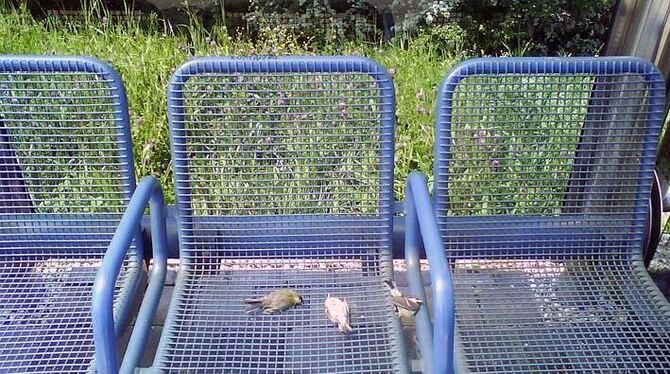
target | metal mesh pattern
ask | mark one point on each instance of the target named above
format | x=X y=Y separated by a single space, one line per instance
x=543 y=169
x=283 y=169
x=66 y=175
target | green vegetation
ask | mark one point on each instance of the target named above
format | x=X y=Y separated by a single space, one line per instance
x=539 y=28
x=75 y=173
x=513 y=143
x=145 y=55
x=244 y=159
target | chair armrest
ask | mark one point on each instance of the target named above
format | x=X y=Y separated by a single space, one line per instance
x=147 y=191
x=421 y=231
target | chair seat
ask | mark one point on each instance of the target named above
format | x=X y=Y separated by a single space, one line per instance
x=560 y=316
x=45 y=321
x=207 y=327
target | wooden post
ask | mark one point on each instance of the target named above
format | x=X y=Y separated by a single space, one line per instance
x=642 y=28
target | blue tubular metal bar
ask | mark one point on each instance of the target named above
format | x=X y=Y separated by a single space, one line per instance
x=543 y=168
x=424 y=326
x=148 y=191
x=422 y=232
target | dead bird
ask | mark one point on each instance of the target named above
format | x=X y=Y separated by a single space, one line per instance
x=275 y=302
x=398 y=300
x=337 y=310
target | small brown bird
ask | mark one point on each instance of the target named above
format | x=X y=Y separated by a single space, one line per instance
x=412 y=304
x=275 y=302
x=337 y=311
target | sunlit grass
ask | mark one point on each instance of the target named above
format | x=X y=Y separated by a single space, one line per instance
x=145 y=55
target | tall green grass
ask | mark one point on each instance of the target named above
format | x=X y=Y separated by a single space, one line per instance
x=145 y=54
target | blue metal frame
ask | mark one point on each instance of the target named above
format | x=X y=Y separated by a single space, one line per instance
x=36 y=63
x=173 y=242
x=81 y=64
x=89 y=65
x=11 y=171
x=148 y=191
x=295 y=64
x=443 y=312
x=533 y=65
x=421 y=232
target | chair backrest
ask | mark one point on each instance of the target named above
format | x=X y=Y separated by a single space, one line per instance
x=66 y=169
x=15 y=198
x=282 y=157
x=539 y=157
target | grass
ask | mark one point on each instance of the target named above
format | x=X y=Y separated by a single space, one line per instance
x=513 y=142
x=491 y=182
x=145 y=56
x=249 y=160
x=62 y=173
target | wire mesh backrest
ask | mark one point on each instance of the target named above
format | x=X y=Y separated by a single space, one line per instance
x=65 y=155
x=282 y=156
x=546 y=156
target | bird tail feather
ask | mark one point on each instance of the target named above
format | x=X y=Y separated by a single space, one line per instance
x=345 y=328
x=253 y=304
x=254 y=301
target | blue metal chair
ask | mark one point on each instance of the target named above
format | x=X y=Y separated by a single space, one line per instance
x=66 y=175
x=543 y=168
x=283 y=171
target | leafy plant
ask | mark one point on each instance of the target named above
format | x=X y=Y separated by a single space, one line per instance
x=315 y=21
x=499 y=27
x=552 y=27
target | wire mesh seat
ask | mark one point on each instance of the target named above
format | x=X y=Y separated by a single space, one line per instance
x=542 y=174
x=66 y=174
x=283 y=171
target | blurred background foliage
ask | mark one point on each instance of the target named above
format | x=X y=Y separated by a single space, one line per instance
x=417 y=41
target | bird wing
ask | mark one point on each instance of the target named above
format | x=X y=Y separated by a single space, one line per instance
x=330 y=316
x=409 y=303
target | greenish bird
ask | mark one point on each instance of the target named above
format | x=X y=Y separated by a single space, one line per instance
x=274 y=302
